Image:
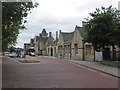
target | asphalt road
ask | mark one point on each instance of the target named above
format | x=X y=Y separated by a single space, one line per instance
x=52 y=73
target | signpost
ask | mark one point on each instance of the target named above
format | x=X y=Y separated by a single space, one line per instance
x=98 y=56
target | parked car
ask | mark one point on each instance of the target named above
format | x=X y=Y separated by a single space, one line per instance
x=12 y=55
x=32 y=54
x=23 y=55
x=6 y=53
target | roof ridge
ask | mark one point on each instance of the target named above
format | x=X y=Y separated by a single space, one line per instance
x=78 y=26
x=66 y=32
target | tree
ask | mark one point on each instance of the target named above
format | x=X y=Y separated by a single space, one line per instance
x=103 y=28
x=13 y=14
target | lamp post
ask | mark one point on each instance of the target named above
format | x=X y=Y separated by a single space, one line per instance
x=38 y=47
x=70 y=50
x=83 y=58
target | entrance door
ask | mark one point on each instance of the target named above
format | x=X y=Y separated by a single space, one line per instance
x=106 y=53
x=51 y=51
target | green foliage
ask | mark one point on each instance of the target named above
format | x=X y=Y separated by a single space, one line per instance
x=103 y=28
x=13 y=14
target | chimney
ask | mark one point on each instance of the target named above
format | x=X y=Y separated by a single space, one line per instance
x=56 y=35
x=59 y=31
x=50 y=34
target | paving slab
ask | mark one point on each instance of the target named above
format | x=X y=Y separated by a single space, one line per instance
x=100 y=67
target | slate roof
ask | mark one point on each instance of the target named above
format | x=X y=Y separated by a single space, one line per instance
x=67 y=37
x=54 y=43
x=50 y=40
x=81 y=30
x=43 y=39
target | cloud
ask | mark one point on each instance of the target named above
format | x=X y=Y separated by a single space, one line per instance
x=55 y=15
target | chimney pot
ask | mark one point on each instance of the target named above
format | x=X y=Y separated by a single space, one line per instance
x=56 y=35
x=50 y=34
x=60 y=31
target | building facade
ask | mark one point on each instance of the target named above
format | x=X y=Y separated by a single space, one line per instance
x=36 y=44
x=77 y=43
x=69 y=45
x=80 y=50
x=44 y=44
x=64 y=44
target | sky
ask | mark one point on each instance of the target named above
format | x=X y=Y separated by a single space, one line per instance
x=55 y=15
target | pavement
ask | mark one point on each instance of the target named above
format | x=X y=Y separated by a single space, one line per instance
x=99 y=67
x=113 y=71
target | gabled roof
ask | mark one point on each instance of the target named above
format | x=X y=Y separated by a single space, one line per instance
x=44 y=33
x=81 y=30
x=43 y=39
x=54 y=43
x=67 y=37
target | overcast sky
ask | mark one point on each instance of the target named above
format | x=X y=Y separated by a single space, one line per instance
x=55 y=15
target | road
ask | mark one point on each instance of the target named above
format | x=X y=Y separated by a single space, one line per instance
x=52 y=73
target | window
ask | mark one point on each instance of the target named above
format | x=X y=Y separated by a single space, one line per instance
x=48 y=51
x=59 y=49
x=76 y=48
x=88 y=49
x=69 y=49
x=65 y=49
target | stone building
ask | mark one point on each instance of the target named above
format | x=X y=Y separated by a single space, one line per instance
x=42 y=41
x=52 y=49
x=64 y=44
x=71 y=45
x=51 y=46
x=36 y=44
x=77 y=43
x=39 y=42
x=32 y=42
x=49 y=43
x=79 y=49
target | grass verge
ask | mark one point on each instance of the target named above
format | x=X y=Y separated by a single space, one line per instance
x=29 y=61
